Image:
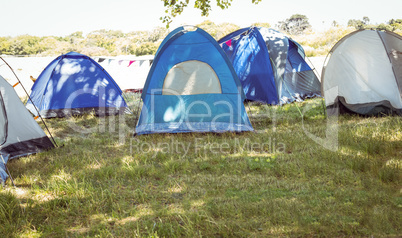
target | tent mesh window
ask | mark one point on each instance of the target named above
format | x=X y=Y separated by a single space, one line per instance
x=190 y=78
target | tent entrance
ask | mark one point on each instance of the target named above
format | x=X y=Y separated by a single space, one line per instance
x=191 y=77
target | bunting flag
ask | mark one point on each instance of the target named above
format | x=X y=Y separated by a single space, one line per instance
x=109 y=61
x=131 y=61
x=229 y=43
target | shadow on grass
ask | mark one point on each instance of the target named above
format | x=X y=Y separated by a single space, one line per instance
x=220 y=185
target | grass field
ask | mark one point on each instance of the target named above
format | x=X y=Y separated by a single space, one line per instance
x=276 y=182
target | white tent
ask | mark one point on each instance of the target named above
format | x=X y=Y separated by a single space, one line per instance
x=20 y=135
x=363 y=74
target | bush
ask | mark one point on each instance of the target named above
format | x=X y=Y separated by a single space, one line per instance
x=320 y=43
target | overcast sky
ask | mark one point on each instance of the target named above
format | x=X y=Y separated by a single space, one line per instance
x=61 y=18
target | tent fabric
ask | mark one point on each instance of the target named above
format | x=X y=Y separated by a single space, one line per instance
x=392 y=44
x=73 y=84
x=192 y=87
x=271 y=67
x=20 y=135
x=363 y=74
x=249 y=56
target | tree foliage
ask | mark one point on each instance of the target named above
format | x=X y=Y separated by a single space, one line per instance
x=176 y=7
x=148 y=48
x=395 y=24
x=113 y=43
x=391 y=25
x=359 y=24
x=294 y=25
x=99 y=42
x=217 y=31
x=262 y=24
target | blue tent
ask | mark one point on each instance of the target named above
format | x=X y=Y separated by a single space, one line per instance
x=192 y=87
x=270 y=66
x=73 y=84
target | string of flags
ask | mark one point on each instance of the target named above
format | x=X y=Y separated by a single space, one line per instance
x=125 y=62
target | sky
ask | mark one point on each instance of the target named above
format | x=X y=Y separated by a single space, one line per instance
x=61 y=18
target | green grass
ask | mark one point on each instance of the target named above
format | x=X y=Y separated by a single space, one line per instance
x=277 y=182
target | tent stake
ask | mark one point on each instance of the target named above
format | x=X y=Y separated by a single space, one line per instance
x=9 y=174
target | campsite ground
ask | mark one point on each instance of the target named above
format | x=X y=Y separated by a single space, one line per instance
x=304 y=177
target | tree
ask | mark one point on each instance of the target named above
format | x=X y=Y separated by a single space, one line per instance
x=77 y=34
x=384 y=27
x=103 y=39
x=366 y=20
x=176 y=7
x=359 y=24
x=158 y=33
x=209 y=27
x=395 y=24
x=148 y=48
x=294 y=25
x=5 y=45
x=25 y=45
x=225 y=28
x=217 y=31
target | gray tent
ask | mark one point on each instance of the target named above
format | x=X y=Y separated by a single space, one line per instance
x=363 y=74
x=20 y=135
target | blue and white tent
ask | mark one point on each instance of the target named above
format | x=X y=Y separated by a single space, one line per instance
x=73 y=84
x=192 y=87
x=271 y=67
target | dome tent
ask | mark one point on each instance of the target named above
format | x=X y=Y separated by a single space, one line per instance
x=73 y=84
x=20 y=135
x=363 y=74
x=191 y=87
x=271 y=66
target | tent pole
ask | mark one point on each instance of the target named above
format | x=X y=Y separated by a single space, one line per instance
x=8 y=171
x=29 y=97
x=314 y=70
x=136 y=114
